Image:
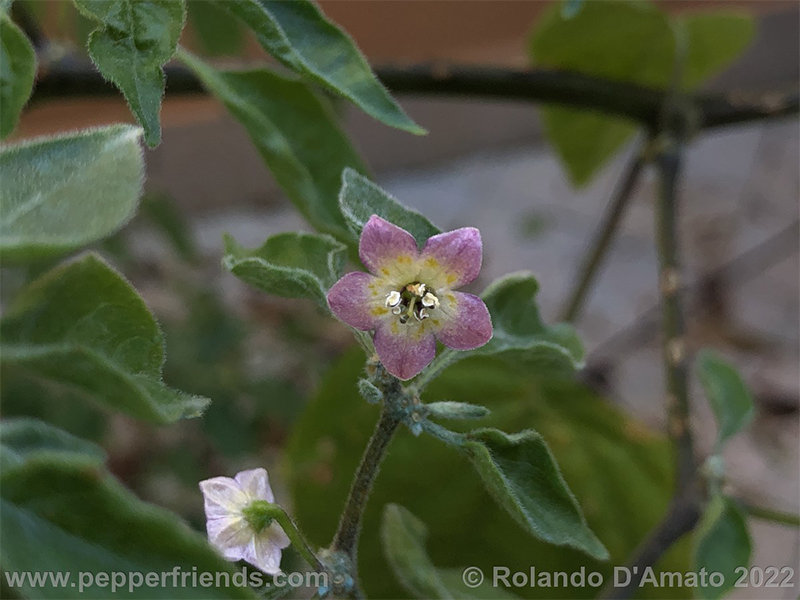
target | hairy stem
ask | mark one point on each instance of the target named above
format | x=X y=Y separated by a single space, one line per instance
x=599 y=246
x=346 y=538
x=298 y=541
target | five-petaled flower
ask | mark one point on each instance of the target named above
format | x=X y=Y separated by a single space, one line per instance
x=238 y=524
x=407 y=297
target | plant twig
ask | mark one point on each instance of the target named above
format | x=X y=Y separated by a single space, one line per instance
x=73 y=77
x=601 y=242
x=770 y=514
x=672 y=318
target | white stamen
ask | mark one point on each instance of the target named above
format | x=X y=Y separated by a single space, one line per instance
x=393 y=299
x=430 y=301
x=422 y=314
x=397 y=310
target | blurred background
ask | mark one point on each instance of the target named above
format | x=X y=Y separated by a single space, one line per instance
x=263 y=360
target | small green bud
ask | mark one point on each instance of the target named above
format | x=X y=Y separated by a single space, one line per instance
x=369 y=392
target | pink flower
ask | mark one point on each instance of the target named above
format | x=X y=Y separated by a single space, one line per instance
x=237 y=519
x=407 y=297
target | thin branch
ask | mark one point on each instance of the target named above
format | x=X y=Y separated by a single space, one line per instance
x=599 y=246
x=770 y=514
x=673 y=325
x=72 y=77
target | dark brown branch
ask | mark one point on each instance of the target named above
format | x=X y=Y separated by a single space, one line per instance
x=71 y=78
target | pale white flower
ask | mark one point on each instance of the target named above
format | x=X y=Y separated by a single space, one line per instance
x=237 y=524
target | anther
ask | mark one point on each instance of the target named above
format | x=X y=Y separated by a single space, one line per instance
x=430 y=301
x=393 y=298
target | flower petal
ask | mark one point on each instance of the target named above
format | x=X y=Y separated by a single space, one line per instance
x=384 y=247
x=223 y=496
x=358 y=299
x=465 y=322
x=452 y=259
x=230 y=535
x=264 y=551
x=255 y=483
x=404 y=350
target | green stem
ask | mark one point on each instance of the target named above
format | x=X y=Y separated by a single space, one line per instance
x=599 y=246
x=297 y=539
x=346 y=538
x=770 y=514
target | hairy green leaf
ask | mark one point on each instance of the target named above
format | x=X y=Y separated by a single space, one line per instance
x=296 y=134
x=722 y=543
x=360 y=198
x=65 y=511
x=68 y=191
x=17 y=70
x=519 y=333
x=521 y=473
x=134 y=40
x=23 y=438
x=299 y=35
x=625 y=41
x=83 y=325
x=292 y=265
x=727 y=393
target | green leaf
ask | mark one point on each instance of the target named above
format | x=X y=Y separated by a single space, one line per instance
x=65 y=192
x=295 y=133
x=217 y=32
x=715 y=40
x=403 y=537
x=22 y=439
x=521 y=473
x=359 y=199
x=299 y=35
x=17 y=71
x=625 y=41
x=456 y=410
x=520 y=336
x=727 y=393
x=722 y=544
x=83 y=325
x=134 y=40
x=66 y=512
x=619 y=40
x=601 y=452
x=291 y=265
